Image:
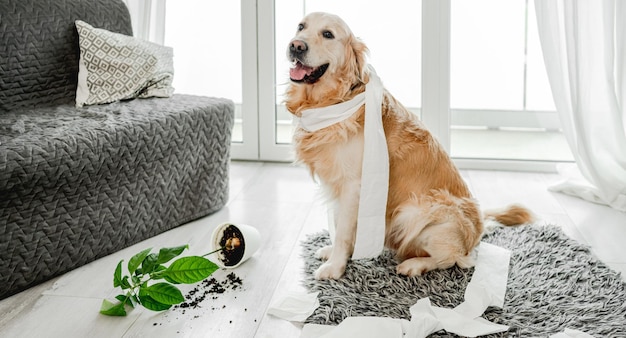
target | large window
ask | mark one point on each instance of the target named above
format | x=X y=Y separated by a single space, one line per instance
x=500 y=99
x=475 y=73
x=215 y=55
x=207 y=50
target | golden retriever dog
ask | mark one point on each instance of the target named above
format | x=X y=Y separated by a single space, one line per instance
x=432 y=222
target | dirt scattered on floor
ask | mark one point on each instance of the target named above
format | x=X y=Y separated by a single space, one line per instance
x=209 y=288
x=205 y=296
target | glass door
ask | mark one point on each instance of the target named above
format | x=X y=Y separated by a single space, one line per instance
x=500 y=99
x=215 y=55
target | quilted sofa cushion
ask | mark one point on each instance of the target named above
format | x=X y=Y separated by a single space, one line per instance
x=79 y=184
x=39 y=47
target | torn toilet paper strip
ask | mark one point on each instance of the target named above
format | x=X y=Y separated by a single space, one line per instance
x=370 y=236
x=486 y=288
x=370 y=230
x=423 y=322
x=488 y=284
x=295 y=307
x=425 y=319
x=571 y=333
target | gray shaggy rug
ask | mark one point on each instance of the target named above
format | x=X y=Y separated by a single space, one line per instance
x=554 y=283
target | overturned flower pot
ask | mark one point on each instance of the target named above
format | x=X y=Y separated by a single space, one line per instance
x=239 y=242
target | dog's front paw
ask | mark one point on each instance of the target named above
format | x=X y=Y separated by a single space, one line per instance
x=330 y=270
x=324 y=253
x=411 y=268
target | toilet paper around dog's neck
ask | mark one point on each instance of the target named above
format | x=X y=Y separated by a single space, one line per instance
x=370 y=234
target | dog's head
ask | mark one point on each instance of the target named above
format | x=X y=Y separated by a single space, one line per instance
x=327 y=59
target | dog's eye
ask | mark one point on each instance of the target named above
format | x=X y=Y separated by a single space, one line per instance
x=328 y=34
x=300 y=27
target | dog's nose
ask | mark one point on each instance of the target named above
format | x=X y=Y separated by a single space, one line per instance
x=298 y=47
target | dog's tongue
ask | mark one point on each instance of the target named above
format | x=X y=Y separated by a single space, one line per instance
x=299 y=71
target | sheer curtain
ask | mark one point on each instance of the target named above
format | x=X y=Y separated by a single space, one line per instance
x=584 y=48
x=148 y=19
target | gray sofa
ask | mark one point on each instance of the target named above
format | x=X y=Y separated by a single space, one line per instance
x=77 y=184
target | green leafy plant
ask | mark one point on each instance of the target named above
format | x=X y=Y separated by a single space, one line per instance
x=140 y=286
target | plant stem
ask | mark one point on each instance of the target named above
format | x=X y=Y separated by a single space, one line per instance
x=214 y=251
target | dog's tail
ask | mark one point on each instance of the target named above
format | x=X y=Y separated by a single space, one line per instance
x=512 y=215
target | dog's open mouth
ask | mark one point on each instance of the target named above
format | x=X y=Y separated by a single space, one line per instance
x=301 y=73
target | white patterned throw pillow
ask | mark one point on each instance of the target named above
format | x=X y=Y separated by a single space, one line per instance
x=115 y=67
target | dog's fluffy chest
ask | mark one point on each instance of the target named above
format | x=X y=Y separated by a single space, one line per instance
x=332 y=154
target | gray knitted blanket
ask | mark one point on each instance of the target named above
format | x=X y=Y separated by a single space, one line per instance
x=554 y=283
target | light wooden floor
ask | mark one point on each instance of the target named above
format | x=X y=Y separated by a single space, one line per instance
x=282 y=202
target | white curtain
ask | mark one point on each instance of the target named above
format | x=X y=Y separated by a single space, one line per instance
x=584 y=48
x=148 y=19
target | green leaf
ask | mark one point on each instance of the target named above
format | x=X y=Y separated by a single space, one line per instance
x=136 y=260
x=117 y=276
x=165 y=293
x=168 y=279
x=125 y=284
x=150 y=303
x=166 y=254
x=158 y=273
x=126 y=299
x=189 y=270
x=136 y=280
x=149 y=263
x=111 y=309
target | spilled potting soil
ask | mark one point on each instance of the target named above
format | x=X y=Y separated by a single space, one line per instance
x=205 y=297
x=209 y=288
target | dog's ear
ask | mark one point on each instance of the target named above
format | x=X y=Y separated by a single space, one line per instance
x=358 y=50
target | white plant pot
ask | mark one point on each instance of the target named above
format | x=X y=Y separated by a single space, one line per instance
x=250 y=240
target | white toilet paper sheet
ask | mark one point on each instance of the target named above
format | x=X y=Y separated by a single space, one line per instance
x=486 y=288
x=571 y=333
x=294 y=306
